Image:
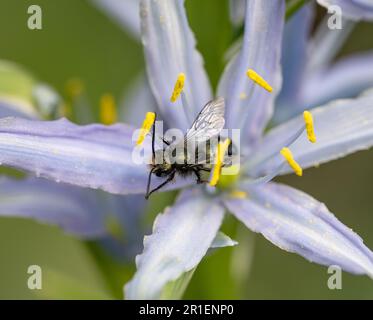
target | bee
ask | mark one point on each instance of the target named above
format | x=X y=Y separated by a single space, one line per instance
x=207 y=125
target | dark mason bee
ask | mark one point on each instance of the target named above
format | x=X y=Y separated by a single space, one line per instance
x=196 y=146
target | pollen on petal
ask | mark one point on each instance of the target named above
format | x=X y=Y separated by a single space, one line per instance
x=286 y=153
x=308 y=120
x=243 y=96
x=219 y=159
x=146 y=126
x=179 y=86
x=108 y=112
x=258 y=80
x=238 y=194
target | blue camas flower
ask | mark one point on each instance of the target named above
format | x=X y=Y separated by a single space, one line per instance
x=99 y=157
x=308 y=68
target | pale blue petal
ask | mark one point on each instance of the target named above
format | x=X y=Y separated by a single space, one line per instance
x=247 y=104
x=322 y=81
x=342 y=127
x=170 y=49
x=345 y=79
x=222 y=240
x=137 y=101
x=81 y=212
x=74 y=209
x=181 y=237
x=326 y=44
x=295 y=222
x=94 y=156
x=294 y=51
x=125 y=214
x=124 y=12
x=294 y=60
x=353 y=9
x=237 y=11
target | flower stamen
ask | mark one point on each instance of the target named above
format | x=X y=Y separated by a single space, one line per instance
x=286 y=153
x=179 y=86
x=308 y=120
x=258 y=80
x=146 y=126
x=108 y=112
x=219 y=159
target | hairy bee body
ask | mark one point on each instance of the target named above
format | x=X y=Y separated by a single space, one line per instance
x=192 y=155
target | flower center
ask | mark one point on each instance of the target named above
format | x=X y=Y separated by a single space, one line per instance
x=228 y=181
x=219 y=178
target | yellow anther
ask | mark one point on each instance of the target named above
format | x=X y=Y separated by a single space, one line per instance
x=308 y=120
x=258 y=80
x=74 y=87
x=108 y=112
x=179 y=86
x=238 y=194
x=146 y=126
x=286 y=153
x=219 y=159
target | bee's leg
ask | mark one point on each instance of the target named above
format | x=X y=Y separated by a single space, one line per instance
x=170 y=177
x=153 y=136
x=199 y=167
x=148 y=184
x=165 y=141
x=199 y=179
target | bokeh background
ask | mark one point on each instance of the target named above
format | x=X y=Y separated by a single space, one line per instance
x=79 y=41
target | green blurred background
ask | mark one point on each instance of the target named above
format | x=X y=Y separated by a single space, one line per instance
x=78 y=41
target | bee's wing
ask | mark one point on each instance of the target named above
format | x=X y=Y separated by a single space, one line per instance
x=209 y=122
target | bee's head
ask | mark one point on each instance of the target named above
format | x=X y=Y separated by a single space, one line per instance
x=162 y=169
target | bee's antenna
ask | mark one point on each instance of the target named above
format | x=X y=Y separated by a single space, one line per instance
x=153 y=137
x=148 y=185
